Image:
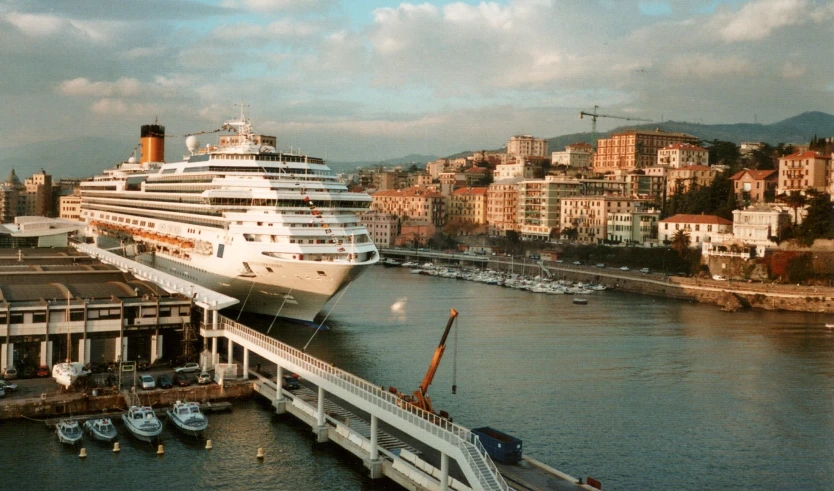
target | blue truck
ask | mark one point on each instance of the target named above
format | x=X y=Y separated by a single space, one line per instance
x=500 y=446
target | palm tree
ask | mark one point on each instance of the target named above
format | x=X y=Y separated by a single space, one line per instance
x=680 y=242
x=795 y=200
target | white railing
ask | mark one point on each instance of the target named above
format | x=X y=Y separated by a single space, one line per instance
x=426 y=421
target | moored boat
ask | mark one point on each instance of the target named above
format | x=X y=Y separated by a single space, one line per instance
x=188 y=418
x=142 y=423
x=580 y=301
x=68 y=431
x=102 y=429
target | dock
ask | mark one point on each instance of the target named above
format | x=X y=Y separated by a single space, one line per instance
x=413 y=448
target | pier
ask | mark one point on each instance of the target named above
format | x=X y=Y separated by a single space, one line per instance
x=412 y=447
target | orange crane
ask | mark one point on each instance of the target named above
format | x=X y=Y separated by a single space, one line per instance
x=420 y=397
x=594 y=115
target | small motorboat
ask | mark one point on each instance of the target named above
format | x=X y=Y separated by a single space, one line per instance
x=580 y=301
x=142 y=422
x=102 y=429
x=188 y=418
x=68 y=431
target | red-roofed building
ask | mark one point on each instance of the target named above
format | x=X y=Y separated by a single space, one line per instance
x=412 y=204
x=682 y=179
x=468 y=205
x=751 y=186
x=682 y=154
x=803 y=170
x=701 y=228
x=634 y=149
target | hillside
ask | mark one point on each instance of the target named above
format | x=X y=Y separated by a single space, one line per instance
x=84 y=157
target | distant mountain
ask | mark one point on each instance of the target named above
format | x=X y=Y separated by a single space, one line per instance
x=797 y=130
x=407 y=161
x=88 y=156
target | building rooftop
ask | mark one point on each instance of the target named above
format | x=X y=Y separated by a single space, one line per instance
x=754 y=174
x=705 y=219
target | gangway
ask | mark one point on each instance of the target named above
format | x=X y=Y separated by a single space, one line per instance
x=449 y=439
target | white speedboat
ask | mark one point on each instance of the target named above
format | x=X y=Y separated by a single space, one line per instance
x=188 y=418
x=142 y=423
x=241 y=217
x=101 y=429
x=68 y=431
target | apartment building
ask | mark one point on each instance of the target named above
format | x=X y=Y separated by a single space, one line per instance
x=575 y=156
x=637 y=227
x=681 y=155
x=539 y=205
x=682 y=179
x=760 y=224
x=701 y=228
x=803 y=170
x=634 y=149
x=382 y=227
x=518 y=168
x=411 y=204
x=502 y=206
x=468 y=205
x=527 y=146
x=754 y=186
x=588 y=215
x=69 y=207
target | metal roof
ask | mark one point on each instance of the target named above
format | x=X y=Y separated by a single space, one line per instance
x=203 y=297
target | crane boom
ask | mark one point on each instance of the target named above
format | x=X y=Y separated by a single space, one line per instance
x=438 y=354
x=594 y=115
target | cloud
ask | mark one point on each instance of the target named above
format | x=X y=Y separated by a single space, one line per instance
x=119 y=107
x=281 y=5
x=278 y=31
x=759 y=19
x=125 y=87
x=706 y=67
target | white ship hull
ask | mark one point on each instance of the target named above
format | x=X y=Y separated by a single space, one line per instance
x=297 y=292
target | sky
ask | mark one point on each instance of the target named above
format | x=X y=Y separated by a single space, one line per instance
x=360 y=80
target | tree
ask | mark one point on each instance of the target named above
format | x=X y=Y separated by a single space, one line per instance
x=722 y=152
x=795 y=200
x=681 y=241
x=570 y=233
x=819 y=221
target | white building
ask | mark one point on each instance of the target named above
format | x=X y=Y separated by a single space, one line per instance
x=576 y=156
x=637 y=227
x=758 y=223
x=701 y=228
x=527 y=146
x=682 y=154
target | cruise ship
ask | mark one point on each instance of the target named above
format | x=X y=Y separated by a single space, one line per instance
x=274 y=229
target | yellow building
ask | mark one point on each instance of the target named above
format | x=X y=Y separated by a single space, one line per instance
x=801 y=171
x=468 y=205
x=502 y=207
x=69 y=207
x=411 y=204
x=683 y=179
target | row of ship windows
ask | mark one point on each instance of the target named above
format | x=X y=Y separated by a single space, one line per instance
x=292 y=171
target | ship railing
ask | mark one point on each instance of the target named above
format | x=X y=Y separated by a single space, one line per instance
x=429 y=422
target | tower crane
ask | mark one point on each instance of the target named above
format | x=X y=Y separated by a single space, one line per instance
x=594 y=115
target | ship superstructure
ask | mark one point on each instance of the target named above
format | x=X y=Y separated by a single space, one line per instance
x=274 y=229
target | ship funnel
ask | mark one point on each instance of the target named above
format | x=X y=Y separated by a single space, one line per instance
x=153 y=143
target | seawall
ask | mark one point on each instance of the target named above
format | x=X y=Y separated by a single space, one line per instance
x=730 y=295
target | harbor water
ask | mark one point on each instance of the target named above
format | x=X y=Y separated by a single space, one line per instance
x=639 y=392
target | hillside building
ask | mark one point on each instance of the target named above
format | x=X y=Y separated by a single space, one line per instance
x=634 y=149
x=682 y=155
x=754 y=186
x=412 y=204
x=683 y=179
x=527 y=146
x=701 y=228
x=802 y=171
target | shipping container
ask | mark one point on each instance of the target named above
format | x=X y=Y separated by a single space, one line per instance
x=500 y=446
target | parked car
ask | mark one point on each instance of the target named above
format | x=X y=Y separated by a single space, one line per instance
x=718 y=277
x=8 y=386
x=624 y=268
x=2 y=392
x=182 y=380
x=290 y=383
x=204 y=378
x=28 y=372
x=644 y=270
x=600 y=265
x=147 y=382
x=577 y=263
x=10 y=373
x=43 y=371
x=164 y=382
x=189 y=367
